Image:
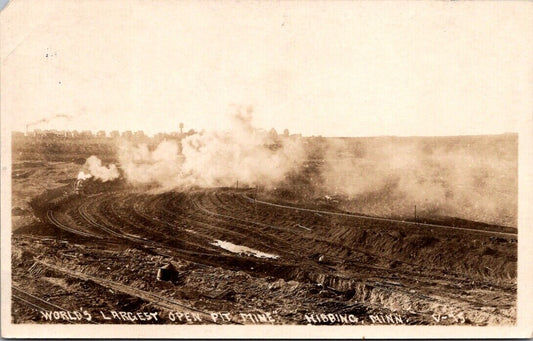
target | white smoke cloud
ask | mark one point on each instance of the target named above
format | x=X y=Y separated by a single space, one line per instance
x=95 y=169
x=244 y=154
x=161 y=166
x=471 y=179
x=84 y=176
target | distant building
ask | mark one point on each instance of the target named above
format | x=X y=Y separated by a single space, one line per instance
x=286 y=132
x=114 y=134
x=101 y=133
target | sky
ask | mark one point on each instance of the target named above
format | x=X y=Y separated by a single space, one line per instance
x=316 y=68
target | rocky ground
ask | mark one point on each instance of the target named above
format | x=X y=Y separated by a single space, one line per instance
x=94 y=258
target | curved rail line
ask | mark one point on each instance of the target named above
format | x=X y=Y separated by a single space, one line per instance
x=40 y=305
x=53 y=220
x=161 y=301
x=507 y=234
x=200 y=207
x=82 y=211
x=359 y=264
x=123 y=235
x=195 y=220
x=233 y=215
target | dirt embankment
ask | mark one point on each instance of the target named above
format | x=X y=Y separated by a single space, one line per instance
x=104 y=246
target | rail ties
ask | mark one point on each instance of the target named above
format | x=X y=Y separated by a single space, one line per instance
x=36 y=302
x=124 y=235
x=235 y=218
x=163 y=302
x=93 y=222
x=507 y=234
x=53 y=220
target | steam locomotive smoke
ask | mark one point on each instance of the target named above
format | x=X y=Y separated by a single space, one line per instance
x=84 y=176
x=244 y=154
x=95 y=169
x=49 y=119
x=470 y=178
x=475 y=180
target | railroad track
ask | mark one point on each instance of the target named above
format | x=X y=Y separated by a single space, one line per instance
x=353 y=215
x=209 y=224
x=82 y=209
x=38 y=303
x=239 y=202
x=330 y=248
x=215 y=215
x=243 y=227
x=302 y=221
x=315 y=239
x=162 y=302
x=53 y=220
x=247 y=221
x=113 y=215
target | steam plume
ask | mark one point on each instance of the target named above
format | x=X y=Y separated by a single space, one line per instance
x=469 y=177
x=48 y=119
x=244 y=154
x=84 y=176
x=95 y=169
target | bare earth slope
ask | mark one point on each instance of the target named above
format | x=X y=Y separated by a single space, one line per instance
x=316 y=249
x=101 y=251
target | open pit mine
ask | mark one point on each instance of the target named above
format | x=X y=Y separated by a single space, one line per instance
x=90 y=251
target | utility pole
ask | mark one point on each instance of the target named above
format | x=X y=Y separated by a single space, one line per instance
x=416 y=219
x=255 y=201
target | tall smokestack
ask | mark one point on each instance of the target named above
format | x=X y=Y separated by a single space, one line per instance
x=181 y=128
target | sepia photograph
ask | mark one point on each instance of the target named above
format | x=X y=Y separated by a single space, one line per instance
x=266 y=169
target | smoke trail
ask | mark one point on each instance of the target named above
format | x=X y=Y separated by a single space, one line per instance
x=467 y=177
x=47 y=120
x=470 y=177
x=84 y=176
x=161 y=166
x=244 y=154
x=94 y=168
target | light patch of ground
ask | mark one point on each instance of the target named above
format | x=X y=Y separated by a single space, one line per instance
x=243 y=249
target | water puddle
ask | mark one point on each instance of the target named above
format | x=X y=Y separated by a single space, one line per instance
x=243 y=249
